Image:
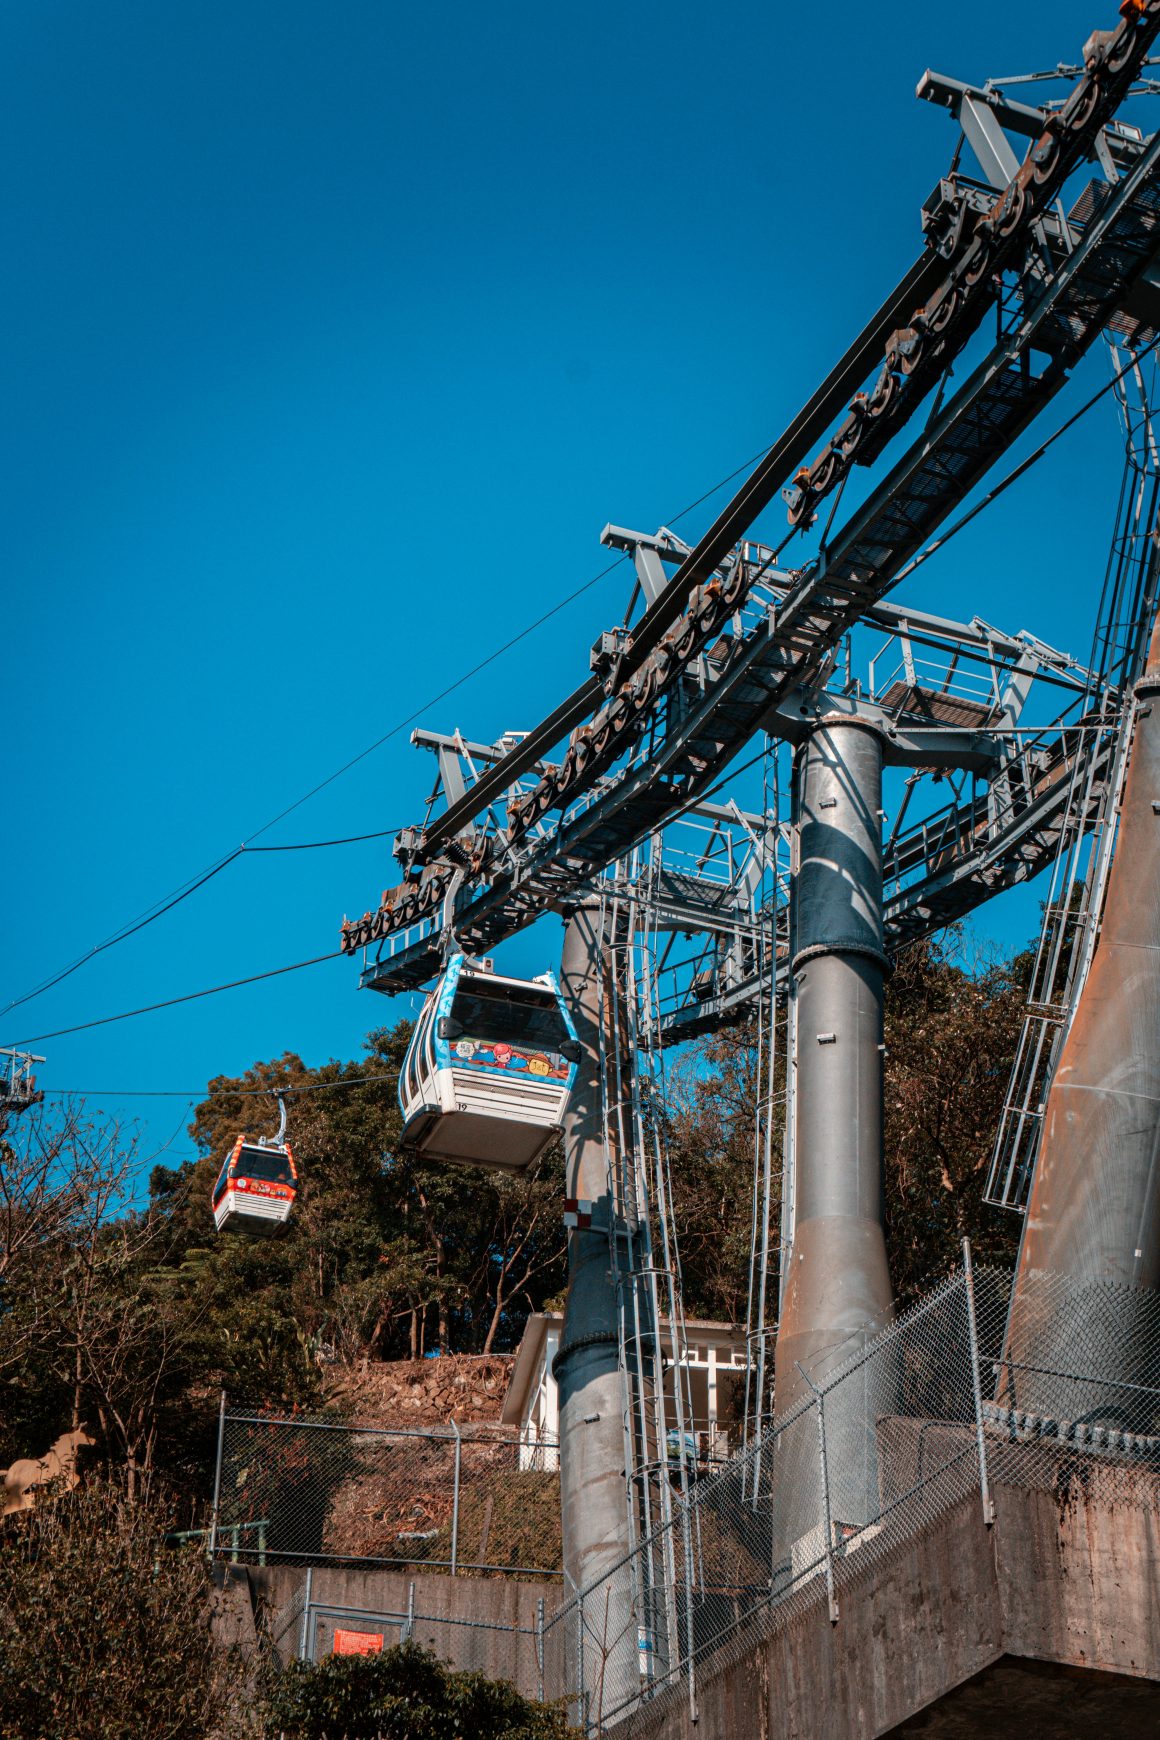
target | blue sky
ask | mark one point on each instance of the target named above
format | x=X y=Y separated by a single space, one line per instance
x=332 y=336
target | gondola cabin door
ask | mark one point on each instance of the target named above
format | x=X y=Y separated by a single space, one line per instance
x=489 y=1070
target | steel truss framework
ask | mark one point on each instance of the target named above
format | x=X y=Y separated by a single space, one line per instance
x=620 y=783
x=1005 y=754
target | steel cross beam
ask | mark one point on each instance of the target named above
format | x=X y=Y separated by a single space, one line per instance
x=939 y=724
x=452 y=744
x=974 y=106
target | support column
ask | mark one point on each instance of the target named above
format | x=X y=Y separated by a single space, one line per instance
x=1094 y=1213
x=837 y=1293
x=593 y=1496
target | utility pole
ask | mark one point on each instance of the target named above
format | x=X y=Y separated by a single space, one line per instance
x=593 y=1498
x=837 y=1293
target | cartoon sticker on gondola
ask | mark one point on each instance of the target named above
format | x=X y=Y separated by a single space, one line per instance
x=538 y=1065
x=465 y=1048
x=502 y=1055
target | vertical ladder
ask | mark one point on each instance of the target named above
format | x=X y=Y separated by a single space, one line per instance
x=1072 y=912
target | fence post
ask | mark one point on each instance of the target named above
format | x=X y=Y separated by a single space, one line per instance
x=540 y=1647
x=690 y=1633
x=409 y=1633
x=976 y=1384
x=217 y=1479
x=827 y=1523
x=455 y=1499
x=582 y=1701
x=305 y=1637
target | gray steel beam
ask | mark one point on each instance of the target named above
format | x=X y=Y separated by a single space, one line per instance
x=859 y=565
x=441 y=741
x=1094 y=1212
x=455 y=741
x=451 y=774
x=988 y=141
x=966 y=861
x=978 y=638
x=1021 y=119
x=650 y=572
x=903 y=744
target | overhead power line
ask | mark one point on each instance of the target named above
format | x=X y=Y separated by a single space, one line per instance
x=184 y=890
x=272 y=973
x=213 y=870
x=184 y=893
x=310 y=845
x=122 y=935
x=317 y=845
x=188 y=997
x=203 y=1094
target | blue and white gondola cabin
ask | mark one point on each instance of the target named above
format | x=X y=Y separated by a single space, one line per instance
x=489 y=1070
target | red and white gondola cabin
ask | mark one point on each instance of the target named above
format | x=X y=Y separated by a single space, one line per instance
x=256 y=1188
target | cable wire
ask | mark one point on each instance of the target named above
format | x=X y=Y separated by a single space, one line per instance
x=169 y=1002
x=176 y=899
x=314 y=845
x=317 y=845
x=1024 y=465
x=184 y=890
x=203 y=1094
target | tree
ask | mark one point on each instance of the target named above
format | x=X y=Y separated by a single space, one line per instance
x=83 y=1340
x=131 y=1320
x=950 y=1033
x=522 y=1252
x=713 y=1127
x=104 y=1635
x=403 y=1694
x=388 y=1254
x=58 y=1173
x=950 y=1037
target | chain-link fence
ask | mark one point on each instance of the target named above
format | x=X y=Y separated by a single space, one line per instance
x=942 y=1406
x=960 y=1395
x=293 y=1491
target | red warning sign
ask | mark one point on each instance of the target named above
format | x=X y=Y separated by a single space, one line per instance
x=358 y=1642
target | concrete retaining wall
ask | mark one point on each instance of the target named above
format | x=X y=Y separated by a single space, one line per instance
x=486 y=1624
x=1069 y=1578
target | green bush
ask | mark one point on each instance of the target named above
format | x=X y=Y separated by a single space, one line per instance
x=403 y=1694
x=104 y=1633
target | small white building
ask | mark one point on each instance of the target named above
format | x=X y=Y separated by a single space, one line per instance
x=715 y=1360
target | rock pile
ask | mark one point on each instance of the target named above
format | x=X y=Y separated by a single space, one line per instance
x=468 y=1388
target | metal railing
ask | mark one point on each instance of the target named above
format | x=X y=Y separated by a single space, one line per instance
x=325 y=1492
x=940 y=1406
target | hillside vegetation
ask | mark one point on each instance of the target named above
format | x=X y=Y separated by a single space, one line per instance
x=122 y=1309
